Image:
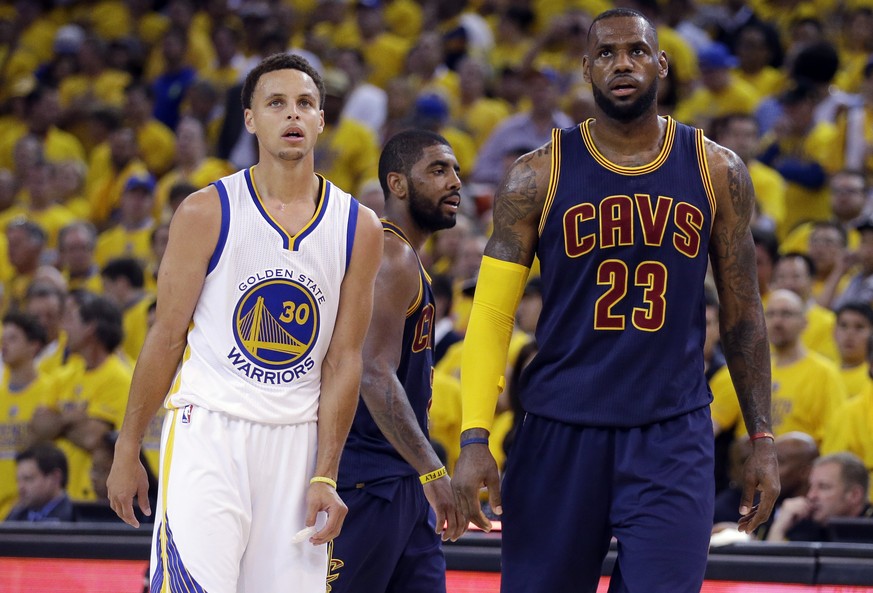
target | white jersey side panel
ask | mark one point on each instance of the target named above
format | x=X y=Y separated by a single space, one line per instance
x=266 y=315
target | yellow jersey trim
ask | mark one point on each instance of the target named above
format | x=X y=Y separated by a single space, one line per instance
x=554 y=175
x=289 y=238
x=604 y=162
x=704 y=172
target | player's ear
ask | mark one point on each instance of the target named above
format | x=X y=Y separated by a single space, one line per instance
x=248 y=118
x=397 y=184
x=586 y=69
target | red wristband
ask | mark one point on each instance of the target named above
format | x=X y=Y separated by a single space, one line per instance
x=762 y=435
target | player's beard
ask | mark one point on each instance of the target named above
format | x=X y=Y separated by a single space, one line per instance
x=626 y=112
x=426 y=214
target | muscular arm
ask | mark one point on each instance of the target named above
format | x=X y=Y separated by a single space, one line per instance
x=397 y=286
x=193 y=236
x=341 y=371
x=517 y=212
x=741 y=318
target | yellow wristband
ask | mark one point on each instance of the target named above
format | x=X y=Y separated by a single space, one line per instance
x=434 y=475
x=323 y=480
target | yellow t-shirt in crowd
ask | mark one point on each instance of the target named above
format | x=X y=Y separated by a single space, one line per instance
x=102 y=392
x=849 y=429
x=16 y=410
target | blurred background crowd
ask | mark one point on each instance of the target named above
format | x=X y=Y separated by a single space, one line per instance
x=113 y=111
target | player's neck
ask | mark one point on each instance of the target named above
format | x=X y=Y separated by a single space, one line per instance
x=400 y=216
x=286 y=182
x=645 y=133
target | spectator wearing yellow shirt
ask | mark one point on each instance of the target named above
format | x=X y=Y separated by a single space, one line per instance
x=477 y=113
x=26 y=244
x=794 y=272
x=806 y=388
x=42 y=112
x=93 y=83
x=40 y=205
x=45 y=301
x=196 y=47
x=347 y=152
x=427 y=68
x=154 y=139
x=76 y=244
x=740 y=133
x=229 y=65
x=805 y=153
x=132 y=235
x=852 y=334
x=113 y=163
x=384 y=51
x=92 y=391
x=124 y=285
x=847 y=193
x=512 y=40
x=828 y=250
x=68 y=185
x=22 y=390
x=720 y=92
x=756 y=50
x=849 y=428
x=192 y=165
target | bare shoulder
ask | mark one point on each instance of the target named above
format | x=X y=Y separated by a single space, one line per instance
x=518 y=206
x=399 y=273
x=368 y=224
x=203 y=207
x=527 y=179
x=730 y=179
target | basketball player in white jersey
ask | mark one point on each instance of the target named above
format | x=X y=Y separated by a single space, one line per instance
x=264 y=297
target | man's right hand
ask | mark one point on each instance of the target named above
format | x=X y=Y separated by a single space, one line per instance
x=476 y=468
x=450 y=522
x=128 y=478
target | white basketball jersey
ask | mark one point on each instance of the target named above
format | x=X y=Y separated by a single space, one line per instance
x=266 y=315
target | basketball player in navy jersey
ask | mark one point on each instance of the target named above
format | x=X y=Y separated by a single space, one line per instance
x=264 y=298
x=399 y=496
x=624 y=212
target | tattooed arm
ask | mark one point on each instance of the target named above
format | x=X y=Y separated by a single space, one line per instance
x=502 y=275
x=518 y=207
x=743 y=333
x=397 y=287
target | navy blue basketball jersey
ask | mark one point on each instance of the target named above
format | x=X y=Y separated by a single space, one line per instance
x=623 y=253
x=368 y=456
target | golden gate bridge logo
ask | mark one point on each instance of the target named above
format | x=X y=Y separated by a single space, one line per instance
x=276 y=323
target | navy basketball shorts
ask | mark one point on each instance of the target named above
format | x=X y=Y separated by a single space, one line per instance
x=388 y=543
x=569 y=489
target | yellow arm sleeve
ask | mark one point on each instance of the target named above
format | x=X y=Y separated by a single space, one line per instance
x=483 y=363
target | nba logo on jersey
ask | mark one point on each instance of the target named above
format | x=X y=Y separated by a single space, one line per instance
x=186 y=414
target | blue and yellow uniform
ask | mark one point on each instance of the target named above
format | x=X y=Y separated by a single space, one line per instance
x=619 y=437
x=388 y=542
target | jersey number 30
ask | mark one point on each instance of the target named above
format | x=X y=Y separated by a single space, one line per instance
x=649 y=276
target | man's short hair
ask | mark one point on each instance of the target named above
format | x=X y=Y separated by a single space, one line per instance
x=280 y=61
x=105 y=315
x=29 y=325
x=402 y=151
x=852 y=469
x=128 y=268
x=48 y=458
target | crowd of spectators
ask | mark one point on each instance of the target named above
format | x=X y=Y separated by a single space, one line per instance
x=113 y=111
